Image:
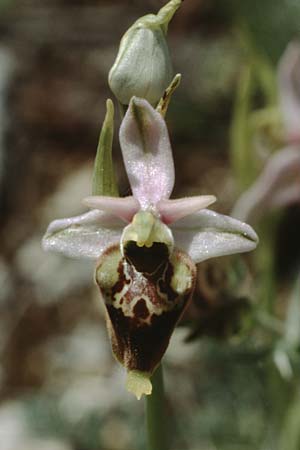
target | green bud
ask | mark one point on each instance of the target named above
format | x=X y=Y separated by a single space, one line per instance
x=143 y=65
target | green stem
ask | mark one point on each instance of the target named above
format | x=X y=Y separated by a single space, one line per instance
x=242 y=160
x=270 y=323
x=155 y=413
x=265 y=261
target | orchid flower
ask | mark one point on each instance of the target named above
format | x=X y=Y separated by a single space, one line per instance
x=278 y=185
x=147 y=245
x=289 y=91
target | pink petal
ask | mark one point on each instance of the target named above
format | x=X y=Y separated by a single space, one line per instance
x=147 y=153
x=172 y=210
x=125 y=208
x=289 y=89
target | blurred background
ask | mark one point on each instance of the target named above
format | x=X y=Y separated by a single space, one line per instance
x=232 y=369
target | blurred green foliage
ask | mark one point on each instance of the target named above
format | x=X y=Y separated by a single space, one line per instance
x=240 y=390
x=272 y=24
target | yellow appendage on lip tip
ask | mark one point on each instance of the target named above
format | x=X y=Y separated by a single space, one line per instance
x=138 y=383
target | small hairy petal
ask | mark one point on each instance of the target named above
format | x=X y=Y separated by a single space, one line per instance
x=84 y=236
x=207 y=234
x=172 y=210
x=289 y=89
x=147 y=153
x=125 y=208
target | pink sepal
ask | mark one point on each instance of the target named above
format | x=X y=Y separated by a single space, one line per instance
x=147 y=153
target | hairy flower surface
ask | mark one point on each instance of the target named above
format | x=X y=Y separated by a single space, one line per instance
x=147 y=245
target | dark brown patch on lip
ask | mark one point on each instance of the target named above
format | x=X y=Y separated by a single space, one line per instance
x=141 y=347
x=165 y=282
x=140 y=309
x=122 y=279
x=146 y=259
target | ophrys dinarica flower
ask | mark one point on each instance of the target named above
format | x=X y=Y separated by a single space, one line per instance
x=147 y=245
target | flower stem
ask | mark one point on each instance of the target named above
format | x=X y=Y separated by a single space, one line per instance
x=155 y=414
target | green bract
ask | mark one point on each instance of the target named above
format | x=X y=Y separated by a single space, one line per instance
x=143 y=66
x=104 y=182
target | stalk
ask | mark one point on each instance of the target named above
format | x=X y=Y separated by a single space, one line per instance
x=155 y=414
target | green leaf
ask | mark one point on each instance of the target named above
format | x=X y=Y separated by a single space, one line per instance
x=272 y=24
x=240 y=134
x=292 y=324
x=290 y=435
x=104 y=182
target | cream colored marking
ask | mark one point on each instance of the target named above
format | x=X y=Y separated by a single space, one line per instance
x=128 y=308
x=107 y=276
x=106 y=273
x=182 y=278
x=119 y=295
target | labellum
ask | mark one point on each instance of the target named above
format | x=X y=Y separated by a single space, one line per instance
x=145 y=291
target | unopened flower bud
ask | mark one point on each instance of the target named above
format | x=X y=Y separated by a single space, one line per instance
x=143 y=66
